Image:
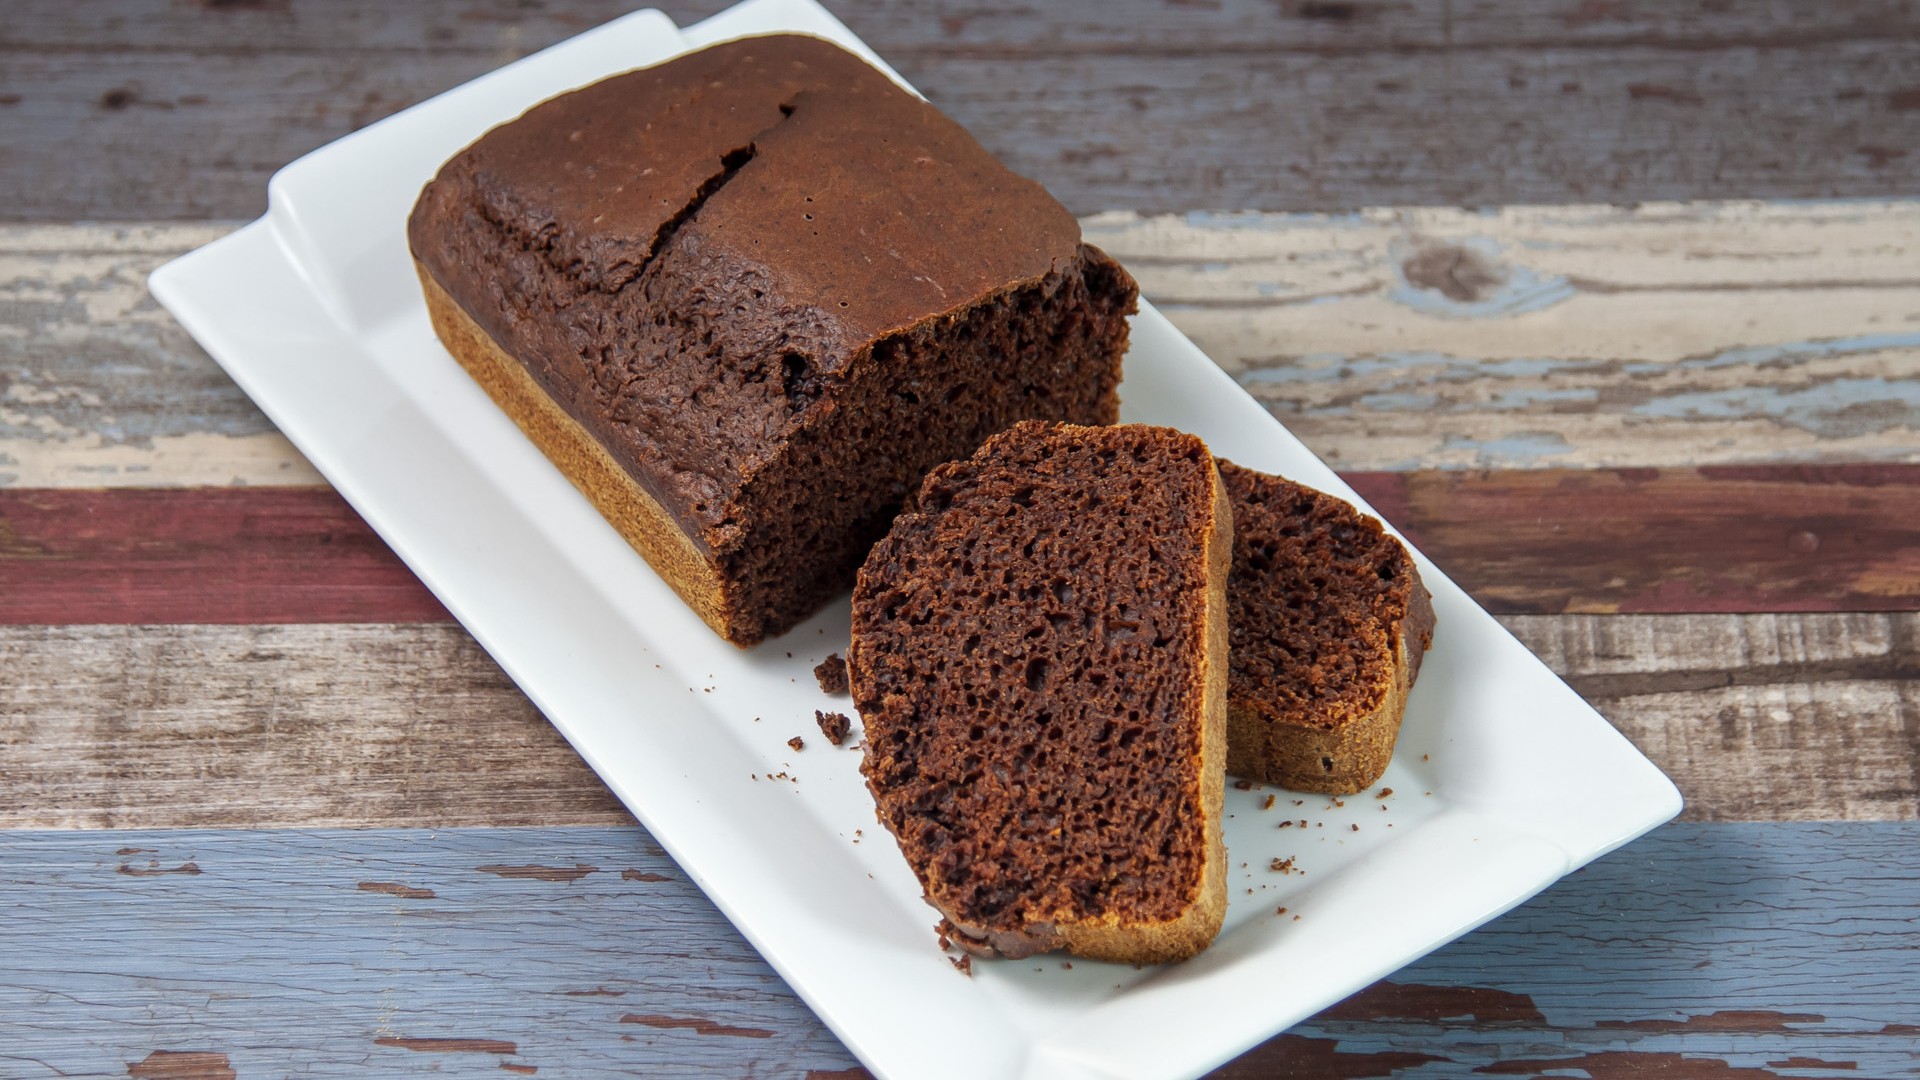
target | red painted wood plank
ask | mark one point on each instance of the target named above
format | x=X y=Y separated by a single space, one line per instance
x=198 y=555
x=1727 y=539
x=1721 y=539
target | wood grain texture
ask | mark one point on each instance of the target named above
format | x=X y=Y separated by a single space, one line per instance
x=1698 y=950
x=1387 y=340
x=1721 y=539
x=1757 y=717
x=157 y=109
x=199 y=555
x=1528 y=337
x=100 y=387
x=208 y=727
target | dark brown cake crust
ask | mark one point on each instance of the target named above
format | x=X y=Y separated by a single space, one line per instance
x=776 y=288
x=1328 y=621
x=1033 y=646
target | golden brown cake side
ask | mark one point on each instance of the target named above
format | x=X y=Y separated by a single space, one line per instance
x=620 y=499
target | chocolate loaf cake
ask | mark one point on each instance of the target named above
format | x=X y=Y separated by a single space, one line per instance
x=745 y=299
x=1328 y=622
x=1039 y=659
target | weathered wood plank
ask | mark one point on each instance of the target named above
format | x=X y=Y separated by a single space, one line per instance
x=199 y=555
x=1698 y=950
x=294 y=726
x=1721 y=538
x=100 y=387
x=1774 y=717
x=1727 y=539
x=1530 y=336
x=1652 y=336
x=1137 y=106
x=1756 y=717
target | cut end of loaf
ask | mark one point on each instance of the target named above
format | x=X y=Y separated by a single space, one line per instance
x=1329 y=624
x=1039 y=660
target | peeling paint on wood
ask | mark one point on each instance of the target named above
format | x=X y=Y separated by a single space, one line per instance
x=1390 y=1000
x=100 y=387
x=181 y=1065
x=394 y=888
x=1306 y=1058
x=697 y=1026
x=1656 y=335
x=1702 y=950
x=1724 y=1020
x=541 y=873
x=424 y=1045
x=1529 y=337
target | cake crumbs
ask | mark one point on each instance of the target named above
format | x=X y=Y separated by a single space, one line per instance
x=1268 y=805
x=1286 y=824
x=1280 y=911
x=831 y=674
x=1296 y=918
x=1243 y=785
x=1337 y=802
x=1066 y=965
x=1284 y=866
x=1425 y=757
x=1299 y=802
x=1356 y=826
x=797 y=743
x=1384 y=792
x=962 y=964
x=833 y=725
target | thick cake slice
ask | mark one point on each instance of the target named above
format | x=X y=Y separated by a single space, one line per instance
x=1329 y=622
x=745 y=299
x=1039 y=656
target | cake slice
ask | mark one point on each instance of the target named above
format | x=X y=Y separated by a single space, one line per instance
x=746 y=298
x=1039 y=658
x=1328 y=622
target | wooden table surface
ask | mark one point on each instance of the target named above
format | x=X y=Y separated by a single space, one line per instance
x=1652 y=396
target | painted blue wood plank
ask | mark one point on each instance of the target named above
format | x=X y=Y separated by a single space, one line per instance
x=584 y=952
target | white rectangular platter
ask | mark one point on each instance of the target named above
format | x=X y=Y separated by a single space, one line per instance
x=1504 y=779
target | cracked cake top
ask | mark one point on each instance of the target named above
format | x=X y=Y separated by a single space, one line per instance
x=864 y=202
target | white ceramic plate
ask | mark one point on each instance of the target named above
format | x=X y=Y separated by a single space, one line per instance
x=1504 y=779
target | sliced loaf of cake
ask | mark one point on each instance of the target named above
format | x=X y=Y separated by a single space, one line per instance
x=1328 y=622
x=746 y=298
x=1039 y=658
